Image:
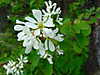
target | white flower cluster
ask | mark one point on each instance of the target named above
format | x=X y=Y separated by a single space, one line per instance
x=15 y=68
x=40 y=32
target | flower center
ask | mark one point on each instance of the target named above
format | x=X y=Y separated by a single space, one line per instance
x=40 y=25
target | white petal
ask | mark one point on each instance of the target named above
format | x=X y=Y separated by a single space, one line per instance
x=58 y=11
x=25 y=58
x=36 y=44
x=46 y=46
x=20 y=34
x=19 y=22
x=58 y=38
x=37 y=32
x=51 y=46
x=48 y=32
x=31 y=25
x=46 y=4
x=50 y=60
x=43 y=11
x=38 y=15
x=59 y=22
x=17 y=72
x=30 y=19
x=56 y=30
x=45 y=55
x=41 y=49
x=18 y=27
x=5 y=66
x=28 y=49
x=50 y=3
x=60 y=52
x=25 y=61
x=26 y=30
x=21 y=57
x=49 y=23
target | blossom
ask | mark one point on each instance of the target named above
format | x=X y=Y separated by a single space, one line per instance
x=10 y=67
x=21 y=59
x=40 y=32
x=59 y=20
x=52 y=35
x=60 y=52
x=49 y=58
x=50 y=6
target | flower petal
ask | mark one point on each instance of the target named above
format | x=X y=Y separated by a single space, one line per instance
x=46 y=46
x=50 y=60
x=26 y=30
x=56 y=30
x=49 y=23
x=19 y=22
x=36 y=44
x=31 y=25
x=58 y=38
x=49 y=32
x=20 y=34
x=28 y=49
x=30 y=19
x=38 y=15
x=51 y=46
x=21 y=57
x=37 y=32
x=18 y=27
x=41 y=49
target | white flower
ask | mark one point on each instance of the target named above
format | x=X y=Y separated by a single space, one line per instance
x=50 y=7
x=60 y=52
x=10 y=67
x=49 y=58
x=21 y=60
x=39 y=24
x=51 y=34
x=20 y=65
x=59 y=20
x=18 y=71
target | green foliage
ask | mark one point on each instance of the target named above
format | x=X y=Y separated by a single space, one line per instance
x=75 y=45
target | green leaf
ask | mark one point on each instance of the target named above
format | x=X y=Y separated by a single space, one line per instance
x=76 y=28
x=87 y=31
x=35 y=60
x=66 y=28
x=82 y=40
x=80 y=16
x=93 y=19
x=77 y=48
x=47 y=68
x=31 y=3
x=83 y=25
